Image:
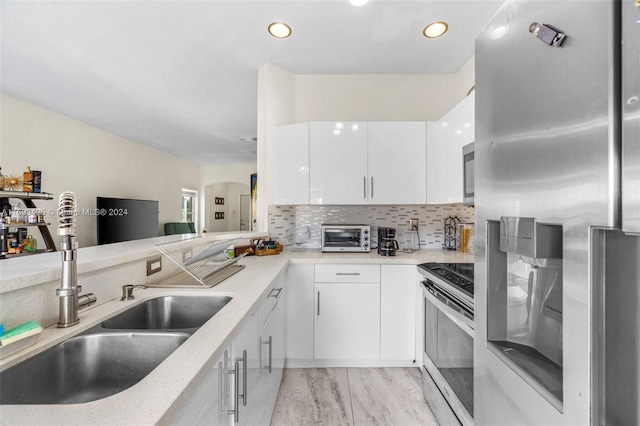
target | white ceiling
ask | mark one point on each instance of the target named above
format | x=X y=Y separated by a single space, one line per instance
x=181 y=76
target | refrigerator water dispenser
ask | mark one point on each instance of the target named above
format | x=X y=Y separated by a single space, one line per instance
x=525 y=301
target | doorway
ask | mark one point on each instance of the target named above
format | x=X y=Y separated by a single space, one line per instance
x=245 y=212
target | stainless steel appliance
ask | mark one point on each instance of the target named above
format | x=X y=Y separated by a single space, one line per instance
x=558 y=278
x=345 y=238
x=468 y=179
x=387 y=244
x=448 y=326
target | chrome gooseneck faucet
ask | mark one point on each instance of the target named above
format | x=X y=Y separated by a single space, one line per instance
x=69 y=290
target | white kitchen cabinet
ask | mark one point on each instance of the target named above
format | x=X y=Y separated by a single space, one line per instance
x=262 y=336
x=300 y=311
x=352 y=163
x=273 y=344
x=347 y=314
x=398 y=312
x=247 y=341
x=291 y=165
x=445 y=139
x=397 y=162
x=437 y=186
x=211 y=400
x=338 y=162
x=367 y=163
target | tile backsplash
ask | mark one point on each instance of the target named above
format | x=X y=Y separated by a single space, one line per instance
x=430 y=221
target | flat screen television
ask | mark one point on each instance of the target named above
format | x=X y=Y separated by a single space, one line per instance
x=121 y=219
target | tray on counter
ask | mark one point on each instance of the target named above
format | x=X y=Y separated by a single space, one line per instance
x=255 y=243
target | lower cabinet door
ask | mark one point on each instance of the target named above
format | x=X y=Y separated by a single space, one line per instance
x=398 y=312
x=347 y=321
x=273 y=354
x=246 y=349
x=211 y=401
x=263 y=392
x=300 y=311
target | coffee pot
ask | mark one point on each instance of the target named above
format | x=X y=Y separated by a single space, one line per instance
x=387 y=245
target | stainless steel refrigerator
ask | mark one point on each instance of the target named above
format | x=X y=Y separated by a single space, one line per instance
x=557 y=266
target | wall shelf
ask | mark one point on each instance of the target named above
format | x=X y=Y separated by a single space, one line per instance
x=27 y=198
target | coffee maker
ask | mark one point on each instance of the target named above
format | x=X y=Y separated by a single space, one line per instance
x=387 y=245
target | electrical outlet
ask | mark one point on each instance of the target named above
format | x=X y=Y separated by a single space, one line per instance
x=154 y=265
x=413 y=224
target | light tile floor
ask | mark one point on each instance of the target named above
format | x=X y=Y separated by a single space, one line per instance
x=352 y=396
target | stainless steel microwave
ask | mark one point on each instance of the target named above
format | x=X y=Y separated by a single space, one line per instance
x=346 y=238
x=468 y=158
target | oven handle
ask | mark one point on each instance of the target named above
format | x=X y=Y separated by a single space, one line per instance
x=448 y=311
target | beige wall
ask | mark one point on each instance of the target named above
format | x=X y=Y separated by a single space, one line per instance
x=374 y=97
x=90 y=162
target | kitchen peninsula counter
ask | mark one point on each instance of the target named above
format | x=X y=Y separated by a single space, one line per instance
x=158 y=397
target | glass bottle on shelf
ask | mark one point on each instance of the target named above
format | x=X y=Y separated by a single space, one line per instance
x=27 y=185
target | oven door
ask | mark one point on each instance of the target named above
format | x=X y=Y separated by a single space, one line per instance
x=448 y=355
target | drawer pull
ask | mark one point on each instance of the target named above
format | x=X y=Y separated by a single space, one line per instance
x=276 y=291
x=348 y=273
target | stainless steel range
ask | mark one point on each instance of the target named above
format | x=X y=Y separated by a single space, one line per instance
x=447 y=355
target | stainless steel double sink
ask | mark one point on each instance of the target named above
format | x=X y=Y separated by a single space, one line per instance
x=110 y=357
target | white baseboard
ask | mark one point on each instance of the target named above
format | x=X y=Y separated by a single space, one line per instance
x=354 y=363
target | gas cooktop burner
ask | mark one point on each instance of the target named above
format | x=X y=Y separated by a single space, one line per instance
x=459 y=275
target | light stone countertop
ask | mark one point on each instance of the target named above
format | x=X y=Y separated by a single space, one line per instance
x=159 y=396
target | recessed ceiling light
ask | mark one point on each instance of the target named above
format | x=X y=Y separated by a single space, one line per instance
x=358 y=2
x=435 y=29
x=279 y=30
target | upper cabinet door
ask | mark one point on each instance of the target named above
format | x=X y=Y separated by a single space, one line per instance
x=437 y=138
x=338 y=162
x=461 y=130
x=445 y=139
x=397 y=162
x=291 y=165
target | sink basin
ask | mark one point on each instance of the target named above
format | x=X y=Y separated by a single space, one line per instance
x=87 y=367
x=111 y=356
x=168 y=313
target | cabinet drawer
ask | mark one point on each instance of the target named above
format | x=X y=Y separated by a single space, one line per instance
x=347 y=273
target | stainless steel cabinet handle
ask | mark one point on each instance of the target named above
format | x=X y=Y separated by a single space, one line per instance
x=318 y=303
x=220 y=391
x=236 y=406
x=276 y=291
x=243 y=395
x=270 y=343
x=371 y=186
x=348 y=273
x=364 y=181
